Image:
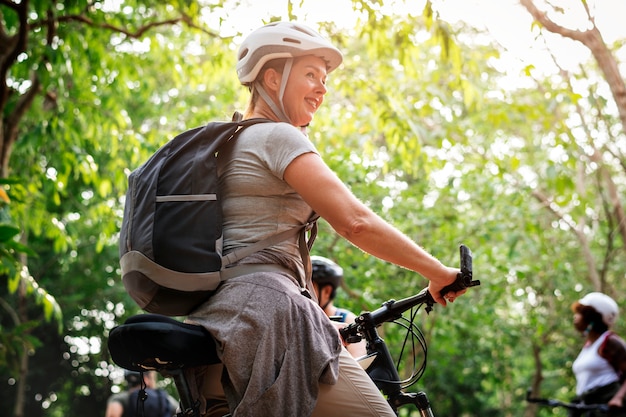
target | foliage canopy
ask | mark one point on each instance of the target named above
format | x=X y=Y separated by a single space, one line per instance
x=420 y=122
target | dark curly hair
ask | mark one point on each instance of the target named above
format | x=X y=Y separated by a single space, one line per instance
x=592 y=318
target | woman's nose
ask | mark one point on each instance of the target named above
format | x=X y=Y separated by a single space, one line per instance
x=322 y=87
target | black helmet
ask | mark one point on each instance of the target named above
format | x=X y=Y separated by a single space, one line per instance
x=325 y=271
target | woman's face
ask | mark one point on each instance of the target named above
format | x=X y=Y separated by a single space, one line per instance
x=305 y=89
x=584 y=317
x=580 y=323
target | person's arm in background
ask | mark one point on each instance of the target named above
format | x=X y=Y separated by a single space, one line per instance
x=173 y=403
x=355 y=349
x=615 y=352
x=114 y=409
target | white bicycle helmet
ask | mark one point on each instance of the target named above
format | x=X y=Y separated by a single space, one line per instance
x=282 y=40
x=603 y=304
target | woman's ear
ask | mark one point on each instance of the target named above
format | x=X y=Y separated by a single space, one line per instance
x=271 y=79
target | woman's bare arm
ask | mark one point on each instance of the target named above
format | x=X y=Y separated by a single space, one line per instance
x=332 y=200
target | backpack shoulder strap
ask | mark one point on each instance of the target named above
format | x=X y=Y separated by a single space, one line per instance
x=613 y=349
x=232 y=128
x=304 y=245
x=240 y=253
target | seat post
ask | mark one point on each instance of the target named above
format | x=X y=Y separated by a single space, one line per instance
x=188 y=407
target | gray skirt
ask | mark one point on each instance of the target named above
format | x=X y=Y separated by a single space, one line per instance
x=276 y=344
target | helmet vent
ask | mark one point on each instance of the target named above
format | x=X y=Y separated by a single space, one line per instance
x=243 y=53
x=291 y=40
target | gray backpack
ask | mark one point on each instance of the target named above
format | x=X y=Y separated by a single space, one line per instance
x=171 y=235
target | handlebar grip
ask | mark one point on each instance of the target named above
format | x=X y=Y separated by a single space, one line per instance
x=464 y=278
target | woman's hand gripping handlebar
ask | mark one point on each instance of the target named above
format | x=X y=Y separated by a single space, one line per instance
x=464 y=278
x=392 y=310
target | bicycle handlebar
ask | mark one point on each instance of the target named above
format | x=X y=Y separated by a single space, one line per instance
x=392 y=309
x=570 y=406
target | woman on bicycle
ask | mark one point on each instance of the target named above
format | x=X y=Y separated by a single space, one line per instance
x=600 y=368
x=282 y=356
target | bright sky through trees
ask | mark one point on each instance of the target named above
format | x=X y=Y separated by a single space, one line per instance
x=506 y=20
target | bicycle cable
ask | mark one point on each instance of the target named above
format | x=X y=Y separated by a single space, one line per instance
x=416 y=339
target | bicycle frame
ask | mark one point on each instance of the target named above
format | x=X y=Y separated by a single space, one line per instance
x=154 y=342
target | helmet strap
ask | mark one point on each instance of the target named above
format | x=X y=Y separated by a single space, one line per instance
x=283 y=83
x=279 y=110
x=266 y=97
x=283 y=86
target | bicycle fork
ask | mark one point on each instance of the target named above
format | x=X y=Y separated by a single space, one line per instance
x=423 y=405
x=419 y=400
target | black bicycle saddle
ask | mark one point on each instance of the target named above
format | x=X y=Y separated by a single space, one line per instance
x=155 y=342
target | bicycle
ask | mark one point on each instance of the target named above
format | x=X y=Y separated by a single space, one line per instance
x=575 y=408
x=154 y=342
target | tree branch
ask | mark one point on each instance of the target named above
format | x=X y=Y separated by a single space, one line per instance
x=582 y=238
x=593 y=40
x=183 y=18
x=11 y=47
x=10 y=4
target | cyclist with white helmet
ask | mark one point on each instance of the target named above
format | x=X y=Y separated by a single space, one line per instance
x=327 y=277
x=282 y=355
x=600 y=367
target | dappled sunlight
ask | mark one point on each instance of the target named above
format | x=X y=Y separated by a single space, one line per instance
x=462 y=123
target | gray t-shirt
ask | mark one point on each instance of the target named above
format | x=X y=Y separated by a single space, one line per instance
x=256 y=201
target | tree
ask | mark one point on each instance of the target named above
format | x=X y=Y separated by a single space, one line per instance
x=67 y=135
x=591 y=131
x=418 y=122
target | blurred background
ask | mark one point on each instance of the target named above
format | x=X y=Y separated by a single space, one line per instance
x=500 y=124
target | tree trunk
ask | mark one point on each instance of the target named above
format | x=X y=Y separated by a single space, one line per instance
x=607 y=63
x=593 y=40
